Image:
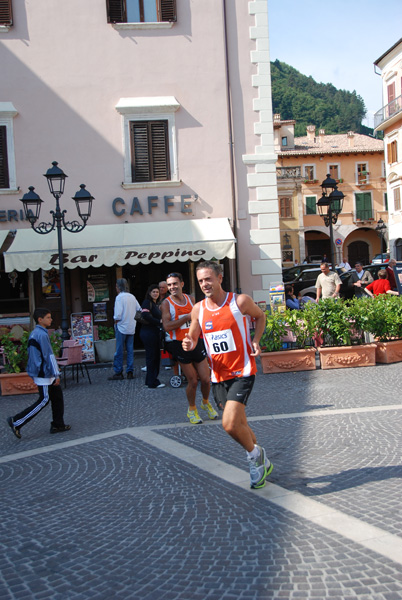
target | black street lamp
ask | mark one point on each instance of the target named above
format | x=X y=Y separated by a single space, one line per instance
x=329 y=207
x=381 y=229
x=32 y=205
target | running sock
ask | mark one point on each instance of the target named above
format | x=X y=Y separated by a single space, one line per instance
x=255 y=453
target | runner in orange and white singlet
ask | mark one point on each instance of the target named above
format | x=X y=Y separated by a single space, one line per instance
x=223 y=319
x=176 y=317
x=227 y=338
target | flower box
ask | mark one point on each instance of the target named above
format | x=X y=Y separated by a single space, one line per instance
x=389 y=352
x=341 y=357
x=288 y=360
x=17 y=383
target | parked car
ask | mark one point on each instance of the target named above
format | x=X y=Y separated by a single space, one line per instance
x=291 y=273
x=379 y=258
x=347 y=290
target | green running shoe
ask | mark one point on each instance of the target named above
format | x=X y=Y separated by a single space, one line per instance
x=212 y=414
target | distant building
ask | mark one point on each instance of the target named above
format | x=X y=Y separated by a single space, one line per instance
x=356 y=162
x=389 y=120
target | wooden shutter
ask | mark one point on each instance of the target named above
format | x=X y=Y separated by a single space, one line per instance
x=168 y=10
x=160 y=150
x=364 y=209
x=6 y=12
x=4 y=178
x=149 y=151
x=311 y=205
x=397 y=199
x=116 y=11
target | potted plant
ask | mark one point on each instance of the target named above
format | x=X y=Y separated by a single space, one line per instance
x=384 y=322
x=281 y=328
x=15 y=380
x=342 y=326
x=105 y=346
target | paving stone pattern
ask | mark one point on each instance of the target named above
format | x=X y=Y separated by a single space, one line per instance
x=117 y=518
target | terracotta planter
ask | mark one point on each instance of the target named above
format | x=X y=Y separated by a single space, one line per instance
x=340 y=357
x=16 y=383
x=288 y=360
x=389 y=352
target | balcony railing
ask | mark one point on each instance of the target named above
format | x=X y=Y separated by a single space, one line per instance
x=364 y=215
x=387 y=111
x=288 y=172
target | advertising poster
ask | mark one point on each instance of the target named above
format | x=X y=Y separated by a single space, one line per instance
x=277 y=300
x=82 y=330
x=51 y=283
x=99 y=311
x=97 y=288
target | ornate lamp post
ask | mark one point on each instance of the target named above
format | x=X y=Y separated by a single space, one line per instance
x=32 y=205
x=381 y=229
x=329 y=207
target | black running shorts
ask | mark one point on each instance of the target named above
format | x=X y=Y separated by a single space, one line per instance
x=237 y=389
x=197 y=355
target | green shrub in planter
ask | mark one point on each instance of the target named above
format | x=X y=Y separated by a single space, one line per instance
x=384 y=317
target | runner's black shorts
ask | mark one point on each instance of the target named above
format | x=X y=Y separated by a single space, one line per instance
x=237 y=389
x=196 y=355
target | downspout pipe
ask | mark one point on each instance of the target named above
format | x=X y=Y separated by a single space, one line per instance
x=231 y=144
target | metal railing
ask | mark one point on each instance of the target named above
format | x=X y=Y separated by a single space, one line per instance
x=387 y=111
x=364 y=215
x=288 y=172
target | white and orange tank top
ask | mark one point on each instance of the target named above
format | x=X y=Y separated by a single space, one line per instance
x=227 y=340
x=177 y=311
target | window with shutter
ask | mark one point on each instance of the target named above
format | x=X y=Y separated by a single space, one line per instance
x=397 y=199
x=149 y=151
x=285 y=208
x=364 y=209
x=4 y=178
x=362 y=173
x=140 y=11
x=311 y=205
x=392 y=152
x=334 y=171
x=6 y=12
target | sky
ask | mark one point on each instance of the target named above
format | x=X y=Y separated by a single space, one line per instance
x=336 y=42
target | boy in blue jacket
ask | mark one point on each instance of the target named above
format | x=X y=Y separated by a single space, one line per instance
x=43 y=368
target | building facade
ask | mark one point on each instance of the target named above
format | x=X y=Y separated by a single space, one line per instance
x=356 y=162
x=163 y=110
x=389 y=120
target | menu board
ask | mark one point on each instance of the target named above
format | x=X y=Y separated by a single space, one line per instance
x=82 y=330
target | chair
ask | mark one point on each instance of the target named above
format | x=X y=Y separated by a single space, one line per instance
x=72 y=357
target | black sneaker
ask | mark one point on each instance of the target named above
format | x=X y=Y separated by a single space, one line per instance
x=14 y=429
x=55 y=429
x=116 y=376
x=130 y=375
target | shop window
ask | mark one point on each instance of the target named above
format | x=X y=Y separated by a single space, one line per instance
x=141 y=11
x=6 y=14
x=285 y=208
x=311 y=205
x=150 y=141
x=7 y=160
x=392 y=152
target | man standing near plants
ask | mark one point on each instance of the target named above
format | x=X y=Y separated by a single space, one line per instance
x=328 y=284
x=223 y=319
x=360 y=279
x=43 y=368
x=125 y=307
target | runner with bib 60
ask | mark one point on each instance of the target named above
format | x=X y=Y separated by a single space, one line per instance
x=223 y=318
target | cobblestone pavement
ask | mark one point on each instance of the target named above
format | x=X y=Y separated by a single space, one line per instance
x=136 y=503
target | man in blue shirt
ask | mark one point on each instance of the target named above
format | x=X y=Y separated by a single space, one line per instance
x=43 y=368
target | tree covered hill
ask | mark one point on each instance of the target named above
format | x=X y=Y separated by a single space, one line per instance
x=296 y=96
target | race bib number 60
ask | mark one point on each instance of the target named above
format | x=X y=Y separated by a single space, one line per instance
x=220 y=342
